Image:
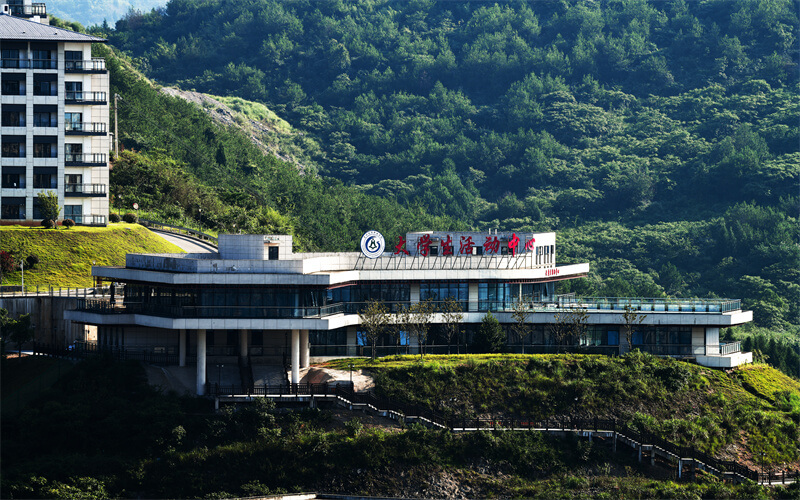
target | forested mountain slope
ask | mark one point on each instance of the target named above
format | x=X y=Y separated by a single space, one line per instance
x=659 y=138
x=180 y=164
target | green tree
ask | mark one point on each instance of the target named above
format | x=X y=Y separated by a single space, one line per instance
x=632 y=319
x=18 y=331
x=453 y=316
x=48 y=205
x=490 y=337
x=521 y=316
x=419 y=322
x=375 y=320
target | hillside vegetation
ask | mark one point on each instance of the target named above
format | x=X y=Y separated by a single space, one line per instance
x=658 y=138
x=102 y=432
x=65 y=256
x=737 y=415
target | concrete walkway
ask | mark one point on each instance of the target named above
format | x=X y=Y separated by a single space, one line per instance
x=186 y=243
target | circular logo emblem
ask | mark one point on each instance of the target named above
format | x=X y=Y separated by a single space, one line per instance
x=372 y=244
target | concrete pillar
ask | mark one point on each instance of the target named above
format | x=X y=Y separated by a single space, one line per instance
x=201 y=362
x=182 y=348
x=303 y=348
x=640 y=453
x=413 y=292
x=472 y=305
x=243 y=345
x=652 y=456
x=615 y=442
x=295 y=356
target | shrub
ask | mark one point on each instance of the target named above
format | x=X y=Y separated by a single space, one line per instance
x=48 y=223
x=68 y=223
x=114 y=218
x=31 y=261
x=7 y=262
x=130 y=218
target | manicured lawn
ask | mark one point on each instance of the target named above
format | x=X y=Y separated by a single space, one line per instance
x=66 y=256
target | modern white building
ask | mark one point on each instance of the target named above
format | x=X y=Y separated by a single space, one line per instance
x=55 y=117
x=255 y=301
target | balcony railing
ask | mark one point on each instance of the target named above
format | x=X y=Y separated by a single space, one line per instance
x=95 y=64
x=651 y=304
x=730 y=348
x=85 y=190
x=36 y=9
x=81 y=96
x=16 y=63
x=44 y=63
x=85 y=128
x=88 y=220
x=91 y=159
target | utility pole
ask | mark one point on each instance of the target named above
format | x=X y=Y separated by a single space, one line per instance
x=116 y=123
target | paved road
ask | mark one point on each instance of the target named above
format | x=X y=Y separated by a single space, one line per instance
x=189 y=245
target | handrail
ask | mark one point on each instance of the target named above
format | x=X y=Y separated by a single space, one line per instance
x=193 y=233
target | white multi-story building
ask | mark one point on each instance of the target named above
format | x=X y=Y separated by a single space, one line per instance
x=257 y=302
x=55 y=118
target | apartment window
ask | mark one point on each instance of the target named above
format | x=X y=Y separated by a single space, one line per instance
x=73 y=121
x=74 y=212
x=73 y=59
x=12 y=208
x=13 y=146
x=74 y=152
x=43 y=59
x=13 y=84
x=45 y=85
x=45 y=177
x=45 y=147
x=13 y=115
x=13 y=178
x=74 y=91
x=45 y=119
x=73 y=183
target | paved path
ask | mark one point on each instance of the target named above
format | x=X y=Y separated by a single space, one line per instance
x=187 y=244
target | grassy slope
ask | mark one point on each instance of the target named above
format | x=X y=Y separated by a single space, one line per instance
x=102 y=430
x=66 y=255
x=736 y=415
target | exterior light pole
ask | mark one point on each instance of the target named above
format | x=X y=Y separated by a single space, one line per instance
x=351 y=378
x=22 y=267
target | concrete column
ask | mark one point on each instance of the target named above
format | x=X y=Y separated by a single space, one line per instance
x=243 y=345
x=413 y=292
x=472 y=305
x=303 y=348
x=182 y=348
x=201 y=362
x=295 y=356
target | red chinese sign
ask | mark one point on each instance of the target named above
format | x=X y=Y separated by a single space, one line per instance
x=491 y=245
x=529 y=246
x=466 y=245
x=424 y=245
x=513 y=243
x=401 y=246
x=447 y=246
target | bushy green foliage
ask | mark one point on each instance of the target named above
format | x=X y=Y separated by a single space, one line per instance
x=68 y=223
x=490 y=336
x=684 y=403
x=114 y=218
x=130 y=218
x=102 y=432
x=48 y=205
x=675 y=119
